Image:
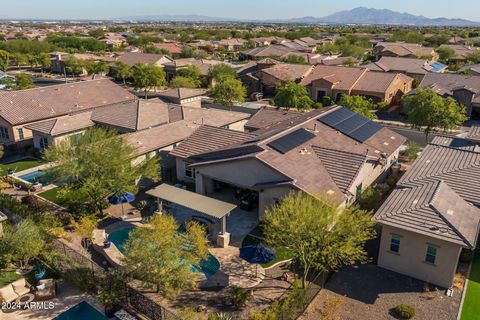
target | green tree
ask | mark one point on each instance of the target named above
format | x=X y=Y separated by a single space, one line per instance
x=319 y=236
x=97 y=165
x=23 y=242
x=192 y=72
x=44 y=60
x=183 y=82
x=96 y=67
x=96 y=33
x=228 y=91
x=292 y=95
x=122 y=71
x=4 y=58
x=73 y=65
x=147 y=76
x=445 y=53
x=294 y=59
x=23 y=81
x=358 y=104
x=161 y=255
x=427 y=111
x=219 y=71
x=85 y=227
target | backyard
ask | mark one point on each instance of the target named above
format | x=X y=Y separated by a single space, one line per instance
x=19 y=165
x=471 y=307
x=282 y=253
x=8 y=276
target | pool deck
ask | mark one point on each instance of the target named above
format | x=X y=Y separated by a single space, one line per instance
x=67 y=297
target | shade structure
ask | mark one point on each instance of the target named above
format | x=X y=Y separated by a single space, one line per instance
x=257 y=253
x=121 y=197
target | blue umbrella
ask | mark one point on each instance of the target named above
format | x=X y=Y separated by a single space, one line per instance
x=257 y=253
x=121 y=198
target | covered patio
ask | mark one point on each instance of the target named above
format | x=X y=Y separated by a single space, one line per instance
x=186 y=205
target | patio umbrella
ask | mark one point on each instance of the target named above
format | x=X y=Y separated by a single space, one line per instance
x=257 y=254
x=121 y=198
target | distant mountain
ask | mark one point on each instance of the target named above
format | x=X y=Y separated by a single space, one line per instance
x=172 y=17
x=363 y=15
x=360 y=15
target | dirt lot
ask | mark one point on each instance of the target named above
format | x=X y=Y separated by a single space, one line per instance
x=369 y=292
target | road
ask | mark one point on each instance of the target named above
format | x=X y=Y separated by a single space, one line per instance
x=412 y=135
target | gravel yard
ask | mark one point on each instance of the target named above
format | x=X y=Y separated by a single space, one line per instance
x=370 y=292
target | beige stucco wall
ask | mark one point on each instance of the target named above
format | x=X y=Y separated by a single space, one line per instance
x=410 y=260
x=268 y=197
x=195 y=102
x=238 y=126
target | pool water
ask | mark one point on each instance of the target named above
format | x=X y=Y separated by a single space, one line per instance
x=83 y=310
x=208 y=266
x=38 y=176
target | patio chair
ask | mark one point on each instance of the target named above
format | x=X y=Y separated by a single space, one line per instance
x=46 y=289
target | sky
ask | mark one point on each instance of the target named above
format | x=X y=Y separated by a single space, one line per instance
x=242 y=9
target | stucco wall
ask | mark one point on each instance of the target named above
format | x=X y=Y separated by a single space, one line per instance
x=268 y=197
x=410 y=260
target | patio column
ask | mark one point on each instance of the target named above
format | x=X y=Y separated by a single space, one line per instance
x=159 y=206
x=224 y=225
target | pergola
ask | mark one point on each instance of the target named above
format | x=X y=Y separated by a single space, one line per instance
x=211 y=207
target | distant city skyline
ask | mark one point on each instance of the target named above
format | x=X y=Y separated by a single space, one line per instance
x=246 y=9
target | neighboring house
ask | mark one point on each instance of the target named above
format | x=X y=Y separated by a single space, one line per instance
x=433 y=212
x=19 y=109
x=204 y=65
x=174 y=48
x=473 y=69
x=412 y=67
x=465 y=89
x=58 y=60
x=461 y=51
x=113 y=40
x=458 y=40
x=131 y=59
x=233 y=44
x=279 y=73
x=315 y=58
x=266 y=41
x=334 y=81
x=319 y=152
x=266 y=52
x=268 y=116
x=184 y=96
x=403 y=50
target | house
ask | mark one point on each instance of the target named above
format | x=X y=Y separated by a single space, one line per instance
x=412 y=67
x=403 y=50
x=174 y=48
x=270 y=77
x=132 y=58
x=184 y=96
x=233 y=44
x=433 y=212
x=19 y=109
x=266 y=41
x=204 y=65
x=473 y=69
x=266 y=52
x=333 y=81
x=461 y=52
x=113 y=40
x=58 y=60
x=319 y=152
x=465 y=89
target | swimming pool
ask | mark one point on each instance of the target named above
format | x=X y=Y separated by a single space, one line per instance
x=208 y=266
x=36 y=176
x=83 y=310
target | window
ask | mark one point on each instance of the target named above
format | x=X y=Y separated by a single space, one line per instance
x=20 y=133
x=431 y=254
x=189 y=172
x=226 y=126
x=43 y=142
x=4 y=133
x=395 y=243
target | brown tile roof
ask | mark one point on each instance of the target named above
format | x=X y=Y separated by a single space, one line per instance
x=132 y=58
x=474 y=132
x=30 y=105
x=182 y=93
x=63 y=125
x=208 y=138
x=434 y=209
x=287 y=71
x=395 y=64
x=402 y=49
x=268 y=51
x=444 y=83
x=378 y=82
x=345 y=78
x=461 y=51
x=265 y=117
x=173 y=48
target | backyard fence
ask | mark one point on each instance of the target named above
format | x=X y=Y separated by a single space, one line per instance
x=148 y=307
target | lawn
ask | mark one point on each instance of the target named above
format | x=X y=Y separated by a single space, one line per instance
x=471 y=305
x=19 y=165
x=52 y=195
x=8 y=276
x=282 y=253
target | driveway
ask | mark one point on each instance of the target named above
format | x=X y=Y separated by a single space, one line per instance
x=368 y=292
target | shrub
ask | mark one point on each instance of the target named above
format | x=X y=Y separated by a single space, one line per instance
x=142 y=204
x=370 y=197
x=391 y=180
x=327 y=101
x=240 y=297
x=80 y=277
x=405 y=311
x=34 y=204
x=412 y=150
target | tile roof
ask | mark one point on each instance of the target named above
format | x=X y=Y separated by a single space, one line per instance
x=265 y=117
x=288 y=71
x=444 y=83
x=132 y=58
x=63 y=125
x=474 y=132
x=24 y=106
x=403 y=49
x=182 y=93
x=440 y=194
x=396 y=64
x=268 y=51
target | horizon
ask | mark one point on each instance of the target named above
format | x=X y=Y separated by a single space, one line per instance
x=247 y=10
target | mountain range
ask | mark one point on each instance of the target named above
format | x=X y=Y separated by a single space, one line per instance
x=360 y=15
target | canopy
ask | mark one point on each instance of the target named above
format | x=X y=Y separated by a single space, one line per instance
x=121 y=197
x=195 y=201
x=257 y=253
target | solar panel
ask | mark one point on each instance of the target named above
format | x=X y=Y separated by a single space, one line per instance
x=365 y=131
x=351 y=124
x=291 y=140
x=337 y=116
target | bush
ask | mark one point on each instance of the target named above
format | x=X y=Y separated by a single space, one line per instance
x=240 y=297
x=34 y=204
x=370 y=197
x=412 y=150
x=327 y=101
x=391 y=180
x=466 y=256
x=80 y=277
x=405 y=311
